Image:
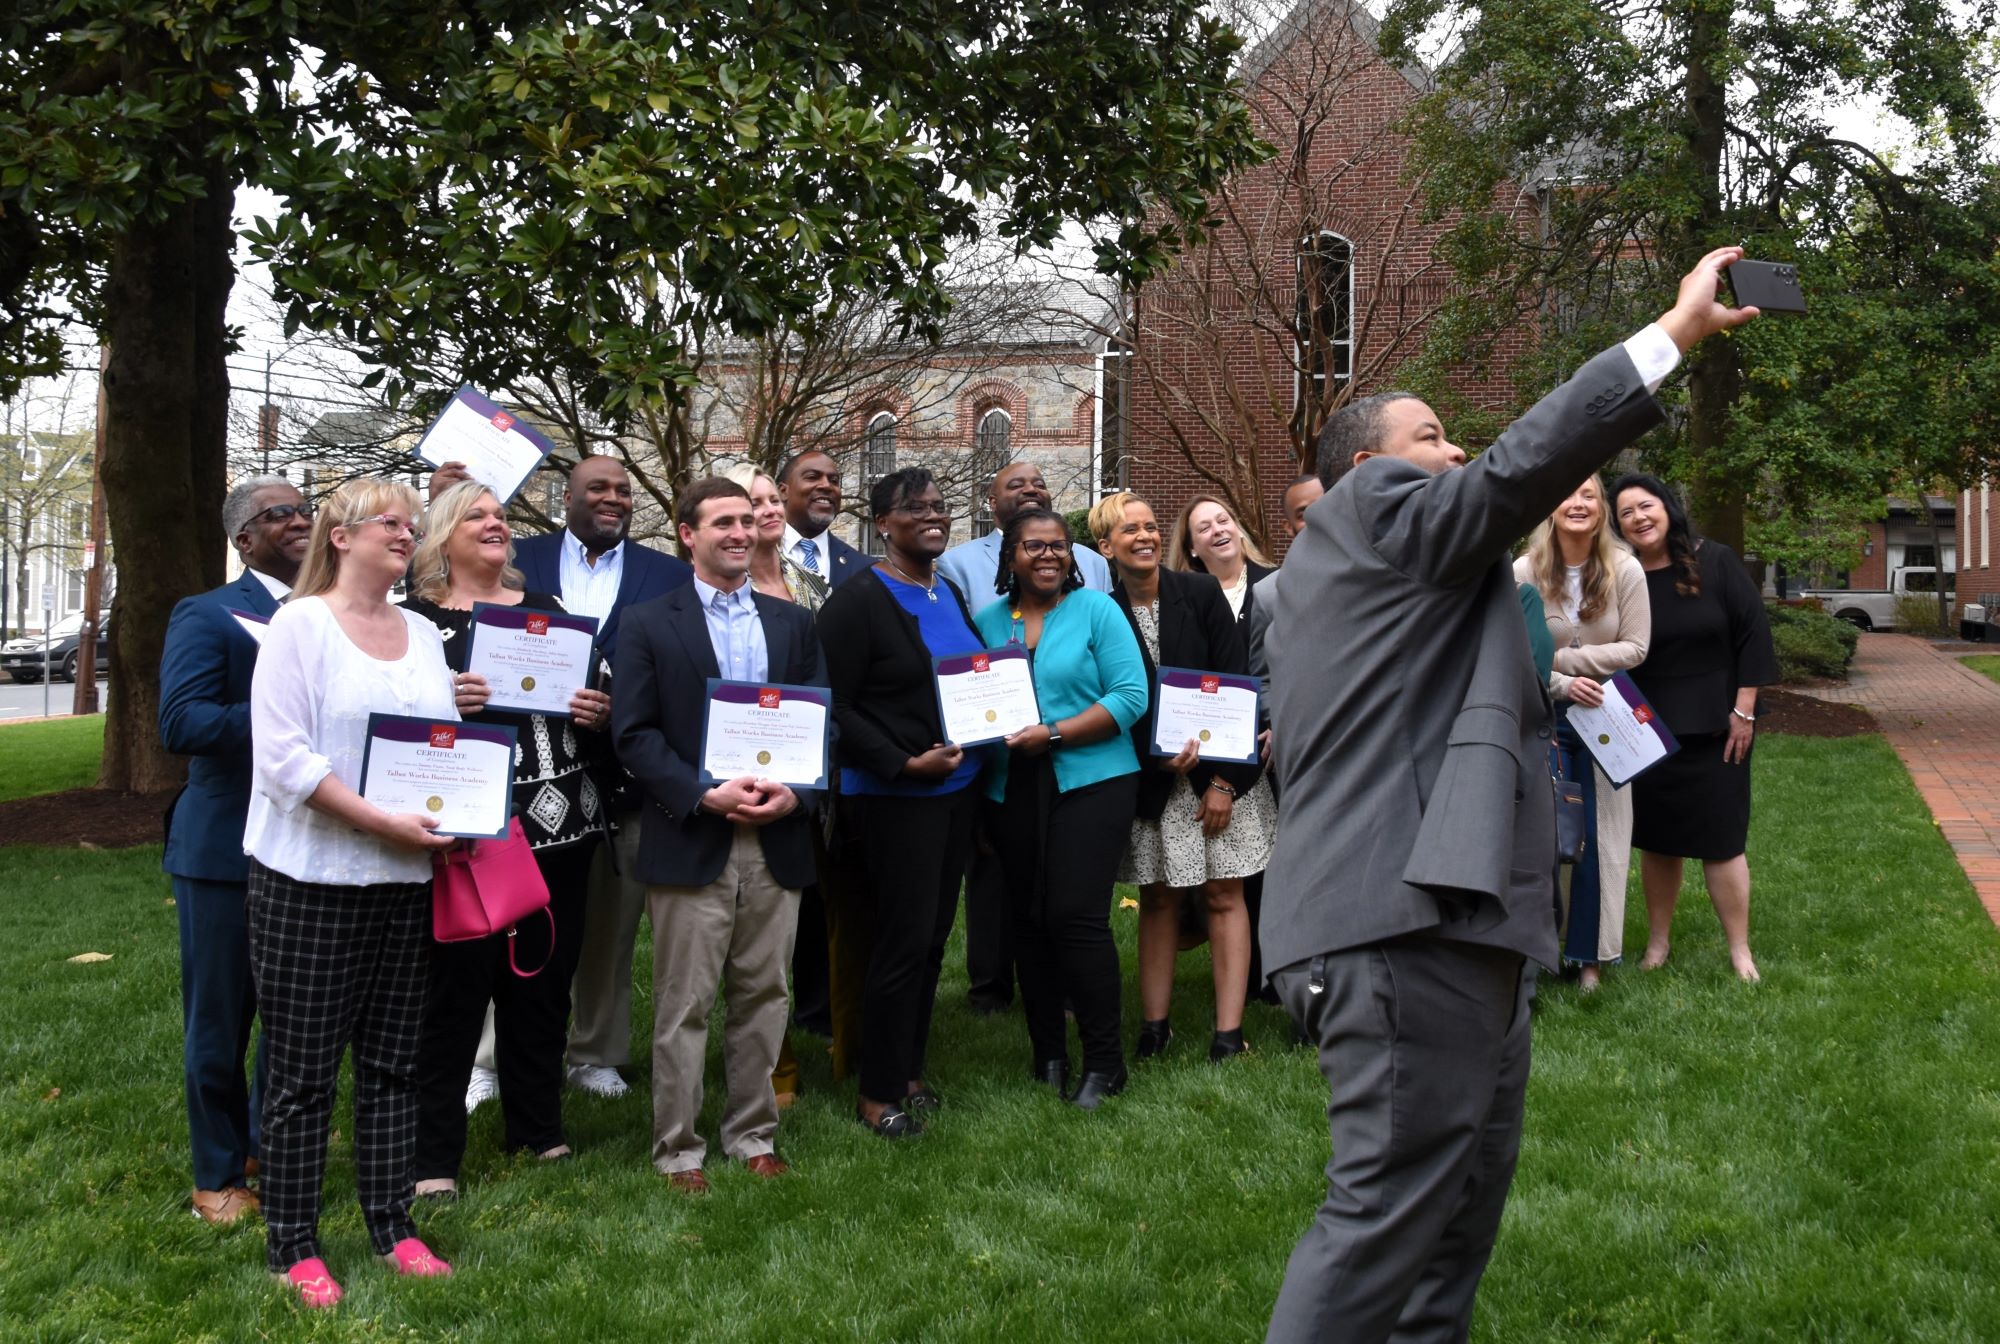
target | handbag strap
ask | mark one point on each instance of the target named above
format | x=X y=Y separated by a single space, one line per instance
x=514 y=965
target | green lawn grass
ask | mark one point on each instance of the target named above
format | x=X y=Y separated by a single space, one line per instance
x=49 y=757
x=1985 y=664
x=1813 y=1158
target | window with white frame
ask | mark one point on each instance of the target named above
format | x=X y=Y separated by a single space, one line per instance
x=878 y=459
x=1325 y=328
x=990 y=442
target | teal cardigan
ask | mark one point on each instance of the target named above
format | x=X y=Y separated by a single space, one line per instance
x=1087 y=656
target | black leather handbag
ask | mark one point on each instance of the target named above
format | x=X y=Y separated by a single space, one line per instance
x=1572 y=822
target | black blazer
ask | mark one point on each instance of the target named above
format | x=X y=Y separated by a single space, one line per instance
x=884 y=694
x=663 y=663
x=1197 y=632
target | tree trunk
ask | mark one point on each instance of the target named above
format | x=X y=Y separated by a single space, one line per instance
x=1937 y=551
x=166 y=394
x=1715 y=375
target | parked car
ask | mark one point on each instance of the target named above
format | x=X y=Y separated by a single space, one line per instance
x=22 y=658
x=1875 y=608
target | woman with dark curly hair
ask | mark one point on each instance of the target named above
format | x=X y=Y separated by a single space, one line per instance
x=1062 y=797
x=1710 y=651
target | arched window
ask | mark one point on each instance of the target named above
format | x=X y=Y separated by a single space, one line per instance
x=1325 y=328
x=878 y=459
x=989 y=453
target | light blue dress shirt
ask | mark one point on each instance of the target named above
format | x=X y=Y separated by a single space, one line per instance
x=587 y=589
x=972 y=566
x=735 y=632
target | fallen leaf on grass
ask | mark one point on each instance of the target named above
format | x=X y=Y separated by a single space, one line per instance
x=52 y=1094
x=85 y=844
x=84 y=957
x=1127 y=903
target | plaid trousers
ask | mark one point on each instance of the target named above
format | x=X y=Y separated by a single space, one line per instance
x=337 y=966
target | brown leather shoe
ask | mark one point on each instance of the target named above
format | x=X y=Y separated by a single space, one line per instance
x=767 y=1165
x=690 y=1182
x=220 y=1208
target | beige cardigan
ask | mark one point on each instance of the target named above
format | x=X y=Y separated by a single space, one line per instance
x=1614 y=640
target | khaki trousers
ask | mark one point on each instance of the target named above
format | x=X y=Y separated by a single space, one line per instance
x=600 y=1029
x=735 y=934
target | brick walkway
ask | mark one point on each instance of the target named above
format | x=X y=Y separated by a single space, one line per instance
x=1943 y=719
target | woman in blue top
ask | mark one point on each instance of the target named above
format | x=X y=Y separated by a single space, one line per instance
x=906 y=796
x=1063 y=796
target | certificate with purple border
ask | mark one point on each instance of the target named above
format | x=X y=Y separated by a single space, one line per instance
x=986 y=695
x=460 y=773
x=767 y=730
x=533 y=660
x=251 y=623
x=498 y=449
x=1626 y=736
x=1215 y=710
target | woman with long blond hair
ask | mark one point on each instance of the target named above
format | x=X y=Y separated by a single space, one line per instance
x=1594 y=596
x=339 y=902
x=467 y=558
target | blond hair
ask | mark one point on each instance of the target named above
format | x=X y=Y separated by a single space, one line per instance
x=362 y=497
x=1180 y=548
x=1600 y=567
x=430 y=567
x=745 y=474
x=1107 y=513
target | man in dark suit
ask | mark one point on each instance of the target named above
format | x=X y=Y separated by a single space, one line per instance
x=809 y=481
x=205 y=715
x=722 y=863
x=597 y=570
x=1416 y=842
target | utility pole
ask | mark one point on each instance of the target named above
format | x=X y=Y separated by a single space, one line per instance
x=93 y=561
x=267 y=418
x=6 y=543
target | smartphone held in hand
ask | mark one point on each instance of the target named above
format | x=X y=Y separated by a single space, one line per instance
x=1768 y=286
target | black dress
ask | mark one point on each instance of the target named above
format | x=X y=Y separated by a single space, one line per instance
x=1694 y=804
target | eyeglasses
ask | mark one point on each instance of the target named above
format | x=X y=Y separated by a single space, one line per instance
x=391 y=524
x=922 y=509
x=1035 y=546
x=279 y=513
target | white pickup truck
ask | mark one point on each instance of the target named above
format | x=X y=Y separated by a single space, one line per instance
x=1875 y=608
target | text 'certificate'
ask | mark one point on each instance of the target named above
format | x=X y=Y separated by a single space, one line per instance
x=984 y=696
x=498 y=450
x=1217 y=711
x=1625 y=735
x=777 y=733
x=462 y=774
x=533 y=660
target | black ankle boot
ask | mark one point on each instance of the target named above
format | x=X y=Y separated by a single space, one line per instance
x=1055 y=1073
x=1095 y=1087
x=1224 y=1044
x=1153 y=1039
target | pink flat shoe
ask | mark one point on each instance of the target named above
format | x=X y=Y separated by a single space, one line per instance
x=315 y=1287
x=412 y=1257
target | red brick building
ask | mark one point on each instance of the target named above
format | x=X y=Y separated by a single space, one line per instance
x=1314 y=287
x=1978 y=529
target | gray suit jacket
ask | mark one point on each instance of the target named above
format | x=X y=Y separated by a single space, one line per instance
x=1409 y=729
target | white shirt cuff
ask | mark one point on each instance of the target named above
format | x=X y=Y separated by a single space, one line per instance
x=1654 y=354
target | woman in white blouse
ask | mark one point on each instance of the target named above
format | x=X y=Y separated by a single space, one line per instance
x=340 y=891
x=1601 y=620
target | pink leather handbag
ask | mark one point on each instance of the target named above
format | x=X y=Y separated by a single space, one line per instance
x=489 y=887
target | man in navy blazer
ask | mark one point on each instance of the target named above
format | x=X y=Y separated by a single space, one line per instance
x=809 y=481
x=724 y=862
x=205 y=716
x=597 y=570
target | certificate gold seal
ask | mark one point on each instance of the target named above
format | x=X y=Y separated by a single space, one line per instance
x=1203 y=734
x=434 y=804
x=992 y=715
x=763 y=758
x=1604 y=739
x=527 y=683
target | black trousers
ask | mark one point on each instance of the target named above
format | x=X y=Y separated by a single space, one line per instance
x=1424 y=1044
x=530 y=1022
x=989 y=933
x=912 y=852
x=1060 y=852
x=337 y=966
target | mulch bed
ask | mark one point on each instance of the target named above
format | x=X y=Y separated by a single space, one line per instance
x=1781 y=711
x=89 y=817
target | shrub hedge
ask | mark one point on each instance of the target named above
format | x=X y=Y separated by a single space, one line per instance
x=1809 y=643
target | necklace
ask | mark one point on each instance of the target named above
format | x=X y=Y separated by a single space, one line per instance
x=930 y=589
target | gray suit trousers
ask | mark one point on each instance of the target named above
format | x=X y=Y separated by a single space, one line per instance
x=1424 y=1044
